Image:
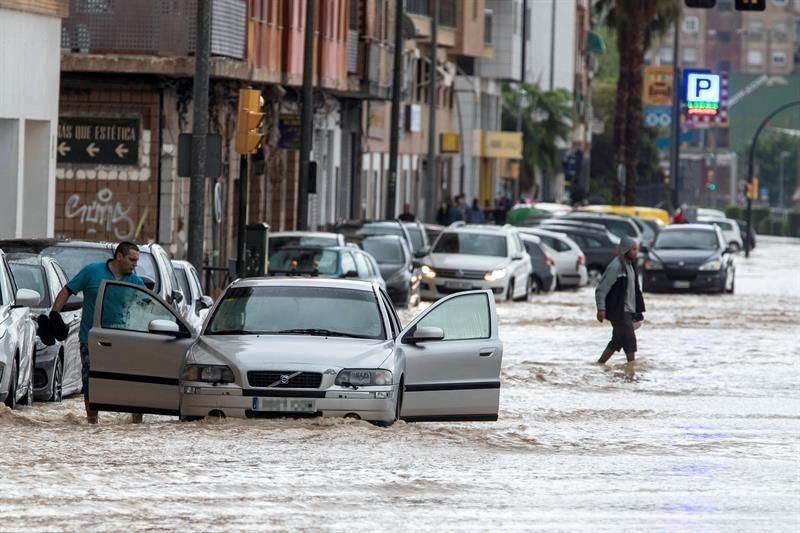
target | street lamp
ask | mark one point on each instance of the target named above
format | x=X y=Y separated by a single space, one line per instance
x=784 y=155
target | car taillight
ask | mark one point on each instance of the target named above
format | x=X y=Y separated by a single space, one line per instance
x=548 y=260
x=581 y=261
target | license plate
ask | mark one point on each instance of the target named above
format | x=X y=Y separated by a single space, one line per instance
x=681 y=284
x=458 y=285
x=284 y=405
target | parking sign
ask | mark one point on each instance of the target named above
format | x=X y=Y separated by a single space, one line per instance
x=702 y=90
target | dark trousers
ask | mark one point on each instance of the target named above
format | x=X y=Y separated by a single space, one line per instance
x=623 y=337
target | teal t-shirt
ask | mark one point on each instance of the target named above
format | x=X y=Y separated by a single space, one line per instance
x=88 y=281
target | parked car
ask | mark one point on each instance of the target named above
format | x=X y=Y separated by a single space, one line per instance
x=396 y=263
x=618 y=225
x=645 y=213
x=690 y=257
x=299 y=347
x=598 y=246
x=317 y=239
x=197 y=302
x=730 y=230
x=470 y=257
x=433 y=231
x=570 y=260
x=419 y=238
x=544 y=275
x=332 y=262
x=57 y=368
x=17 y=339
x=710 y=213
x=154 y=267
x=357 y=231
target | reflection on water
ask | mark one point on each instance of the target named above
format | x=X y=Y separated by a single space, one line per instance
x=700 y=433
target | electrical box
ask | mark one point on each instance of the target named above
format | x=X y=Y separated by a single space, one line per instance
x=256 y=253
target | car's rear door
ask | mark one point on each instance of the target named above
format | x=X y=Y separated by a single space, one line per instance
x=457 y=378
x=131 y=368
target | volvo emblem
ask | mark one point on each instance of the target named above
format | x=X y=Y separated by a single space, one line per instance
x=284 y=379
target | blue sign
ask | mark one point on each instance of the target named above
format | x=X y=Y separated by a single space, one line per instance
x=657 y=116
x=701 y=92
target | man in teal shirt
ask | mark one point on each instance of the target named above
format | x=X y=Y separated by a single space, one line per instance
x=120 y=268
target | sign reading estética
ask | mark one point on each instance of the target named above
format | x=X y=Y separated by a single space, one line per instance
x=98 y=141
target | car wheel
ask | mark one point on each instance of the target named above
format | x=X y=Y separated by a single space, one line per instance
x=398 y=408
x=510 y=293
x=58 y=381
x=11 y=399
x=536 y=286
x=28 y=398
x=594 y=276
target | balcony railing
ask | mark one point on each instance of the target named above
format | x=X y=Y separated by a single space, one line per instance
x=152 y=27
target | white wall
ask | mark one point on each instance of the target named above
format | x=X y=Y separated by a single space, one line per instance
x=30 y=54
x=540 y=29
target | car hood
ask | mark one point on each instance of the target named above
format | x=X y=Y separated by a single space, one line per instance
x=265 y=352
x=467 y=262
x=689 y=257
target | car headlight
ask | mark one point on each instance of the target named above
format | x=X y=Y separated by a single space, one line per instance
x=652 y=264
x=363 y=377
x=428 y=272
x=208 y=373
x=495 y=275
x=714 y=264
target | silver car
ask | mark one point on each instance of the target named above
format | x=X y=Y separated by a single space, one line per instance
x=196 y=301
x=17 y=339
x=297 y=347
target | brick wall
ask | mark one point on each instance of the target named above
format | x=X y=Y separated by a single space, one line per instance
x=110 y=202
x=54 y=8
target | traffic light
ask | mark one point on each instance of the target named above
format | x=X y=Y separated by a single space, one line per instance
x=710 y=184
x=703 y=4
x=249 y=121
x=751 y=5
x=751 y=189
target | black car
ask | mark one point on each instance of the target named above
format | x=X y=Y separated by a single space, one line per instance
x=599 y=247
x=357 y=231
x=396 y=262
x=618 y=225
x=542 y=262
x=690 y=257
x=57 y=368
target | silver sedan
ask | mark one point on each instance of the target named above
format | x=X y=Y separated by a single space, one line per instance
x=297 y=347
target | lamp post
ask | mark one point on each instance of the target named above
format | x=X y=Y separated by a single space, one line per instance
x=784 y=155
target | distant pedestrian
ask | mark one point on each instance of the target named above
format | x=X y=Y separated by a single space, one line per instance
x=407 y=215
x=474 y=214
x=121 y=267
x=619 y=299
x=457 y=212
x=488 y=212
x=443 y=214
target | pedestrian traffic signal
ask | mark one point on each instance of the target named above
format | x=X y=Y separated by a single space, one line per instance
x=249 y=121
x=710 y=184
x=703 y=4
x=751 y=5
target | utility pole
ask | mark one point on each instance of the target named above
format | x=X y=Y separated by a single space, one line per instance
x=197 y=191
x=307 y=118
x=522 y=70
x=394 y=134
x=552 y=44
x=783 y=157
x=675 y=132
x=432 y=183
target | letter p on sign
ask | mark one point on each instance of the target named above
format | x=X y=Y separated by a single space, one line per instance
x=703 y=88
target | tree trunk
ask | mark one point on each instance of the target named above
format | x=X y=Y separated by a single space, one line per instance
x=633 y=128
x=621 y=109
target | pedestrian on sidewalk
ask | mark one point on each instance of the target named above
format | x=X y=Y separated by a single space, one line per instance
x=407 y=215
x=619 y=299
x=121 y=267
x=474 y=214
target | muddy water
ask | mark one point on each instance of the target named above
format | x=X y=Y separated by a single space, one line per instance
x=703 y=433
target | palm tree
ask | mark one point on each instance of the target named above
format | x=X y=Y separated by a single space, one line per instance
x=636 y=23
x=546 y=126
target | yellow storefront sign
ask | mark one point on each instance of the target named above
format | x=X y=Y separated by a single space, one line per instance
x=657 y=87
x=500 y=144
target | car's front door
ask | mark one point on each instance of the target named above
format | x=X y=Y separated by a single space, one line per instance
x=458 y=377
x=135 y=362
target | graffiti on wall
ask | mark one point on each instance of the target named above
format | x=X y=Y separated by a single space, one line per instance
x=105 y=213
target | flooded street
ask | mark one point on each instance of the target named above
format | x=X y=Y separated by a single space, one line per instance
x=703 y=433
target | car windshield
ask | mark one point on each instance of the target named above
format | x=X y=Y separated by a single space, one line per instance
x=724 y=226
x=314 y=241
x=687 y=240
x=384 y=250
x=305 y=261
x=381 y=229
x=472 y=244
x=73 y=258
x=417 y=238
x=31 y=277
x=296 y=310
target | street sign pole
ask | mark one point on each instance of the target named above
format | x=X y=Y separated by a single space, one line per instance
x=675 y=149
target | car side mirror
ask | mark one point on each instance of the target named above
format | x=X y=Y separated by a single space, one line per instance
x=350 y=274
x=28 y=298
x=74 y=303
x=419 y=254
x=205 y=302
x=730 y=250
x=164 y=327
x=424 y=334
x=177 y=296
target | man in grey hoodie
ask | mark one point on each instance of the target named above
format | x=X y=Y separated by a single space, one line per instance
x=619 y=299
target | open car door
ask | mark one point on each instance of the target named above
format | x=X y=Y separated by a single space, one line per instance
x=137 y=346
x=453 y=354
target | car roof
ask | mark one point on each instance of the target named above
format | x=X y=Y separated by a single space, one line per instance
x=486 y=229
x=295 y=281
x=530 y=237
x=698 y=227
x=592 y=214
x=546 y=232
x=26 y=258
x=577 y=224
x=383 y=238
x=326 y=234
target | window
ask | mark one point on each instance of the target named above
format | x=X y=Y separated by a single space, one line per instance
x=348 y=263
x=362 y=267
x=472 y=244
x=666 y=55
x=778 y=58
x=780 y=2
x=755 y=57
x=385 y=250
x=724 y=66
x=487 y=26
x=691 y=24
x=131 y=309
x=394 y=322
x=689 y=55
x=461 y=318
x=183 y=281
x=32 y=277
x=755 y=30
x=724 y=36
